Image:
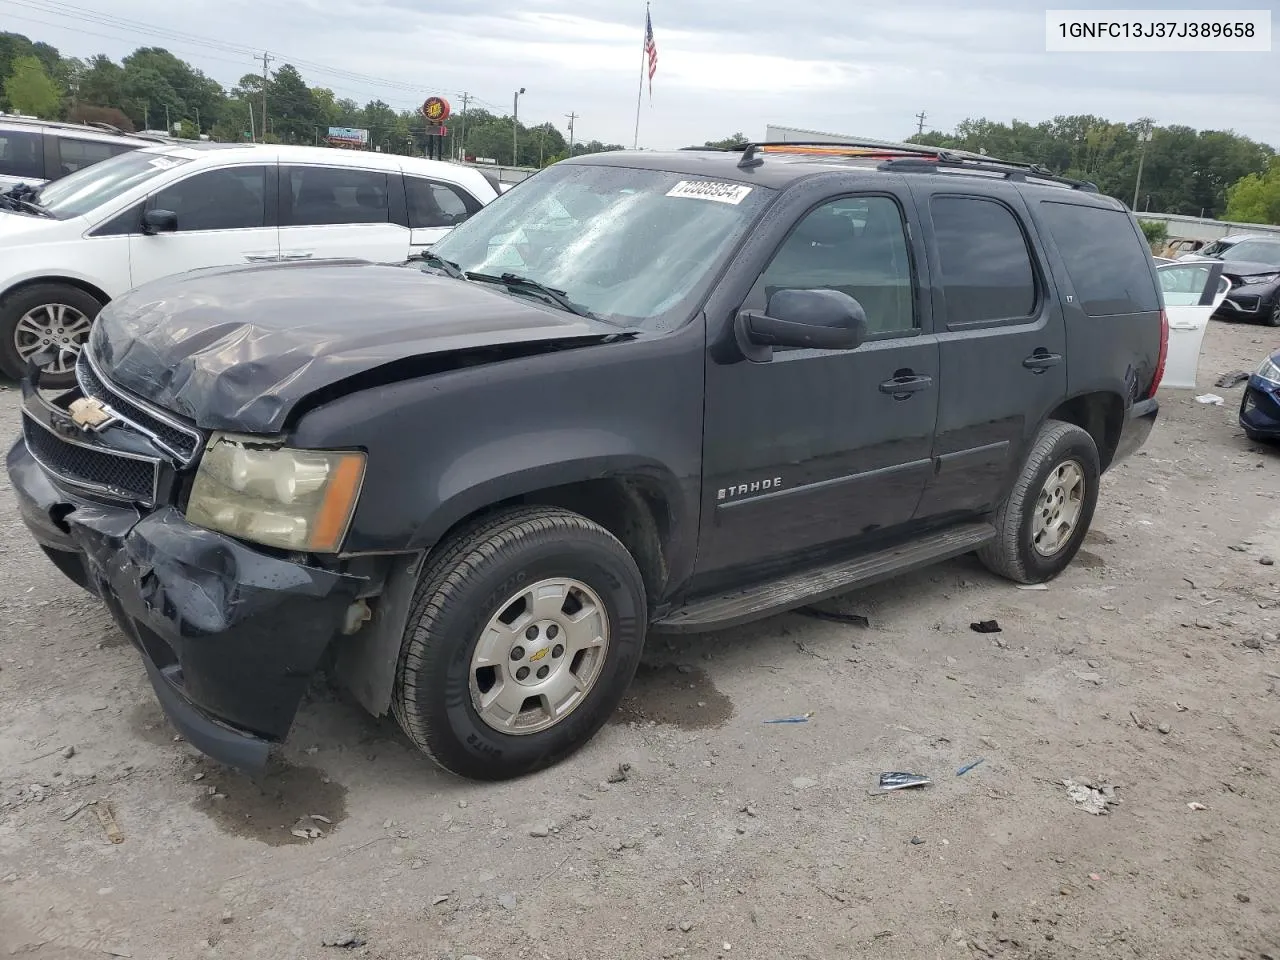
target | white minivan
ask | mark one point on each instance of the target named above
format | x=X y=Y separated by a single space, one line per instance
x=89 y=237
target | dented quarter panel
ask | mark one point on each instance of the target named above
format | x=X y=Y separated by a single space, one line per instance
x=237 y=348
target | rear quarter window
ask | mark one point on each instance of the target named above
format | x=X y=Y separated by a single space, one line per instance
x=1106 y=259
x=21 y=154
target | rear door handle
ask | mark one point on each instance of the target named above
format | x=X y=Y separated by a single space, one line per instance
x=297 y=254
x=262 y=257
x=902 y=386
x=1040 y=361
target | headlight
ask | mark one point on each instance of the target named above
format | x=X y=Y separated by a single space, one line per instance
x=293 y=499
x=1269 y=370
x=1260 y=278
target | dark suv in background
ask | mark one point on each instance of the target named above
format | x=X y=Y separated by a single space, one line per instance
x=645 y=391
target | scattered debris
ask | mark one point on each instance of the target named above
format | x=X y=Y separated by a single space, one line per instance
x=1032 y=586
x=802 y=718
x=1232 y=379
x=72 y=811
x=1094 y=678
x=686 y=926
x=321 y=819
x=68 y=752
x=1196 y=806
x=303 y=830
x=1165 y=728
x=1137 y=721
x=540 y=830
x=851 y=619
x=969 y=766
x=439 y=899
x=986 y=626
x=1252 y=643
x=1180 y=707
x=108 y=821
x=1094 y=800
x=1267 y=561
x=803 y=783
x=916 y=841
x=620 y=775
x=903 y=781
x=345 y=941
x=116 y=952
x=1243 y=897
x=1212 y=399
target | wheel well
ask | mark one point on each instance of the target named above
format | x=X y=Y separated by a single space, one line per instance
x=1102 y=415
x=88 y=288
x=632 y=509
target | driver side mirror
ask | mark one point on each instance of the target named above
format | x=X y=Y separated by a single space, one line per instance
x=159 y=221
x=813 y=319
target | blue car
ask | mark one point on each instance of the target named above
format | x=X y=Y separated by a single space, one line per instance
x=1260 y=408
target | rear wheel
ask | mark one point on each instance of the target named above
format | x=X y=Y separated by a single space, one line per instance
x=48 y=323
x=1042 y=523
x=524 y=635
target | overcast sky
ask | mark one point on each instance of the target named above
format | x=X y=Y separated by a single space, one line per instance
x=724 y=65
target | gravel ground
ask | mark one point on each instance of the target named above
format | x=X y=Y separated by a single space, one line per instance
x=1149 y=668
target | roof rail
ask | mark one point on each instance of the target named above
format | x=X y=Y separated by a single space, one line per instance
x=1021 y=172
x=903 y=157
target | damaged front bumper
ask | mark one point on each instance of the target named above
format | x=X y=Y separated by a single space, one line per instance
x=230 y=635
x=1260 y=408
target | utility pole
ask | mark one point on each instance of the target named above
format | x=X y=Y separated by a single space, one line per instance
x=168 y=127
x=462 y=135
x=572 y=117
x=920 y=117
x=197 y=110
x=515 y=128
x=266 y=59
x=1144 y=137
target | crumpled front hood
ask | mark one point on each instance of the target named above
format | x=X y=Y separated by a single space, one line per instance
x=236 y=348
x=1247 y=268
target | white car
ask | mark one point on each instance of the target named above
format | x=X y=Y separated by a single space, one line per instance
x=164 y=210
x=36 y=151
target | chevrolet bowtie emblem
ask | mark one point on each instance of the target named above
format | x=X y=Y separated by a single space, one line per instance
x=89 y=413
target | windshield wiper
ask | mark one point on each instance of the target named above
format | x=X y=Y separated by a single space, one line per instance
x=551 y=294
x=22 y=197
x=448 y=266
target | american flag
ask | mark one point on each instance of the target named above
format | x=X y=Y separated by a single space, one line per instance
x=650 y=49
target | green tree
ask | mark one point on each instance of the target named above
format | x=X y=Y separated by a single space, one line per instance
x=292 y=107
x=1255 y=198
x=31 y=90
x=736 y=140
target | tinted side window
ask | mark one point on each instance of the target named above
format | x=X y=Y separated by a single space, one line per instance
x=1109 y=265
x=435 y=204
x=231 y=199
x=856 y=245
x=75 y=154
x=985 y=264
x=21 y=154
x=312 y=196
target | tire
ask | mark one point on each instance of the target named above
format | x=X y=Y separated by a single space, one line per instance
x=64 y=301
x=1272 y=319
x=1013 y=554
x=461 y=594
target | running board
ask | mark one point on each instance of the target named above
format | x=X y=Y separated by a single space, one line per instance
x=820 y=583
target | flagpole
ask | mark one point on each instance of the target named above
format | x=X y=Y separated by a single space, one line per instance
x=635 y=144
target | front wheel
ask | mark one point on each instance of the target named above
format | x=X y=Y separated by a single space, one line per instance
x=1272 y=318
x=525 y=632
x=47 y=323
x=1042 y=523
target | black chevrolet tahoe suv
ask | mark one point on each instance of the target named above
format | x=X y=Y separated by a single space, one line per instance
x=640 y=392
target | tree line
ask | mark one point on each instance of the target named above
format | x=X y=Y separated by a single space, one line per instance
x=1199 y=173
x=152 y=89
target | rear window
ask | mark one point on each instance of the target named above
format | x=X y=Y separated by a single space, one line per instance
x=21 y=154
x=1106 y=260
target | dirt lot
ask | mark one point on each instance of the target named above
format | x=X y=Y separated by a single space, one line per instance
x=728 y=837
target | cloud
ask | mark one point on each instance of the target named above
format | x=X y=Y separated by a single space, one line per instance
x=723 y=67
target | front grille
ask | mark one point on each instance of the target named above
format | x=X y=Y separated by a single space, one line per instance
x=182 y=442
x=115 y=474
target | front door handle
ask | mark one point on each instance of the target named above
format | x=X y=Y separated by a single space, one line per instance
x=1042 y=360
x=262 y=257
x=905 y=384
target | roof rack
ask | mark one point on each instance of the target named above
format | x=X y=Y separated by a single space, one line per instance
x=901 y=157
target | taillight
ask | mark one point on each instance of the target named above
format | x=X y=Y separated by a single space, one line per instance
x=1164 y=353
